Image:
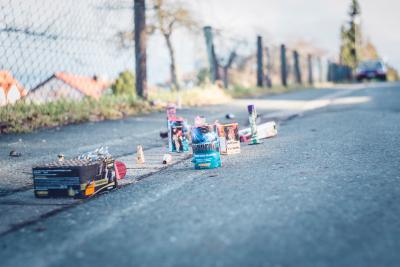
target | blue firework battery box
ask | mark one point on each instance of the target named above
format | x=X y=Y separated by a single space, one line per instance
x=205 y=145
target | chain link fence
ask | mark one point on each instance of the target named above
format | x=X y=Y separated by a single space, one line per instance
x=70 y=49
x=64 y=48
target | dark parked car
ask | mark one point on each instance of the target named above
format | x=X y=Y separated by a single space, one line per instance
x=372 y=69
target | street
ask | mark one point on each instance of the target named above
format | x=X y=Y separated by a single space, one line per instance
x=324 y=192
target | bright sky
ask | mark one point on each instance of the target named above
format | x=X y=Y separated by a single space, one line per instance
x=312 y=20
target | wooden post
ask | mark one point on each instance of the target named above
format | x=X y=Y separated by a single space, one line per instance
x=140 y=48
x=310 y=70
x=297 y=71
x=320 y=70
x=269 y=68
x=283 y=65
x=260 y=65
x=210 y=53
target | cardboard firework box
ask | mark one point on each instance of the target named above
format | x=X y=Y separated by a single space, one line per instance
x=178 y=135
x=177 y=131
x=79 y=178
x=229 y=140
x=205 y=145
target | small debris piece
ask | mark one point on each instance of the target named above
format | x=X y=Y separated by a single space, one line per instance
x=15 y=154
x=164 y=134
x=230 y=116
x=120 y=170
x=139 y=155
x=199 y=121
x=60 y=157
x=167 y=158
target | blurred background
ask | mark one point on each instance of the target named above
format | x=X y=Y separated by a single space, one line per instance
x=70 y=51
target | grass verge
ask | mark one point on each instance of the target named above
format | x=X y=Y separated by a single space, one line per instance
x=25 y=117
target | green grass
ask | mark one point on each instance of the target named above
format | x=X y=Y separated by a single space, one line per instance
x=25 y=117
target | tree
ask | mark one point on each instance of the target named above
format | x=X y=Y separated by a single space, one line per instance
x=167 y=18
x=351 y=37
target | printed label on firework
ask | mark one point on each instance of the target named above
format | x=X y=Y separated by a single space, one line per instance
x=177 y=135
x=205 y=145
x=229 y=138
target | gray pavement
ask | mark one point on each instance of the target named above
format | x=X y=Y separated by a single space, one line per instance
x=325 y=192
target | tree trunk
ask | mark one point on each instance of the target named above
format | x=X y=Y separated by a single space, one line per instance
x=140 y=48
x=174 y=79
x=226 y=78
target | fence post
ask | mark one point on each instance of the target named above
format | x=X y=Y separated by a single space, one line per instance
x=310 y=69
x=269 y=67
x=320 y=70
x=297 y=71
x=140 y=48
x=260 y=65
x=283 y=65
x=210 y=53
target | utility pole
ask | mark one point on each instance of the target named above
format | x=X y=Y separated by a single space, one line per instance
x=260 y=64
x=283 y=65
x=140 y=47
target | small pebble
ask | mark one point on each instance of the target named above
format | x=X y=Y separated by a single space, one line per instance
x=230 y=116
x=14 y=153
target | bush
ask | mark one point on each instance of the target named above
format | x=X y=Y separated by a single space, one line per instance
x=392 y=74
x=124 y=84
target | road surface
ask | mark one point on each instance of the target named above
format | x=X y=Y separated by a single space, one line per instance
x=325 y=192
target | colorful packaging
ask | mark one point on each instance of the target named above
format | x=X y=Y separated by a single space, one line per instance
x=229 y=138
x=178 y=135
x=265 y=130
x=178 y=131
x=205 y=145
x=253 y=126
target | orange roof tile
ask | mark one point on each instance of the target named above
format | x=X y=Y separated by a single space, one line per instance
x=7 y=81
x=87 y=85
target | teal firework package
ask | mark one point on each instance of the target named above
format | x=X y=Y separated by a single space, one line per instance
x=229 y=138
x=205 y=145
x=178 y=135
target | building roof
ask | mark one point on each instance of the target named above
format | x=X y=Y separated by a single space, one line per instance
x=7 y=81
x=89 y=86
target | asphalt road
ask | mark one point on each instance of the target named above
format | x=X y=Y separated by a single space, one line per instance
x=121 y=136
x=325 y=192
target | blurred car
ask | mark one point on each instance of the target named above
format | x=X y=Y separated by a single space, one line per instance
x=371 y=69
